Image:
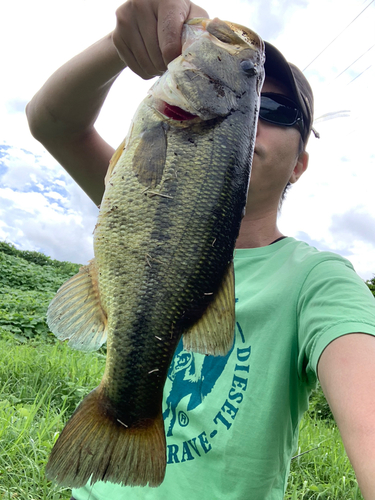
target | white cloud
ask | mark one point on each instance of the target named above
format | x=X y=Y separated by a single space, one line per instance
x=56 y=196
x=30 y=202
x=43 y=209
x=355 y=225
x=36 y=216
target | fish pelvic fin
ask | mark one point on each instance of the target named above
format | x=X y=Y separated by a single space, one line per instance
x=97 y=446
x=213 y=333
x=76 y=314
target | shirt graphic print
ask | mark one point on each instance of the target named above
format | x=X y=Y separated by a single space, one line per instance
x=193 y=379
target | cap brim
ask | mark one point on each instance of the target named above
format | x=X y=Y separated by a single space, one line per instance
x=276 y=66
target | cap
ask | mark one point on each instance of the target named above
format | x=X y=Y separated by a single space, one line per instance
x=276 y=66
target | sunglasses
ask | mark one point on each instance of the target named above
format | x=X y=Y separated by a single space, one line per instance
x=280 y=110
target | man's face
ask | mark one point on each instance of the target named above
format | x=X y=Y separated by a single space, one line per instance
x=275 y=156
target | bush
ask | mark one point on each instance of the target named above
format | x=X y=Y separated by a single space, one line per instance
x=28 y=282
x=38 y=258
x=319 y=408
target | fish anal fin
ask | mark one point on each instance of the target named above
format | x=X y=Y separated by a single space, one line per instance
x=213 y=333
x=76 y=314
x=95 y=444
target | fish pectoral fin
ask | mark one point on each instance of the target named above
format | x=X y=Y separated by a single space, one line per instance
x=213 y=333
x=76 y=314
x=150 y=155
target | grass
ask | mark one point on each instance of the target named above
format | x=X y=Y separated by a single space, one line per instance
x=42 y=383
x=321 y=469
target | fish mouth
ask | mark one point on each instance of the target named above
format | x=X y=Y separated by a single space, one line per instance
x=174 y=112
x=166 y=98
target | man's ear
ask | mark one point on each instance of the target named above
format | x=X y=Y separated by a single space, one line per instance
x=300 y=167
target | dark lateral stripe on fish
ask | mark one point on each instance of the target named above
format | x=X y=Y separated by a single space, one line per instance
x=191 y=294
x=183 y=300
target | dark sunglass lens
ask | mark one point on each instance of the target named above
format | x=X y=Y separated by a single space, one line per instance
x=277 y=112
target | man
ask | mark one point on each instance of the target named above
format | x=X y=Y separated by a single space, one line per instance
x=302 y=315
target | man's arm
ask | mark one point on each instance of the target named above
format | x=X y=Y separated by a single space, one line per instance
x=63 y=112
x=346 y=373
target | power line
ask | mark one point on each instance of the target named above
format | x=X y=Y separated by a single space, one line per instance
x=358 y=58
x=330 y=43
x=360 y=74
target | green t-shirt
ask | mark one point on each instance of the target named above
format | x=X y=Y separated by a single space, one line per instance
x=232 y=422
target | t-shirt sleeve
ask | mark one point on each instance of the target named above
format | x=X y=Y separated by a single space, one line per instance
x=333 y=301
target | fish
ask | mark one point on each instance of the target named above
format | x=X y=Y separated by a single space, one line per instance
x=175 y=194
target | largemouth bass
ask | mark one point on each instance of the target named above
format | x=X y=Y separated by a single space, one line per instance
x=164 y=240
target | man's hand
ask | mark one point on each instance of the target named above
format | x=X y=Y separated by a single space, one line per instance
x=148 y=33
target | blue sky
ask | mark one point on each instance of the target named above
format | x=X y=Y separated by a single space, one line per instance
x=332 y=206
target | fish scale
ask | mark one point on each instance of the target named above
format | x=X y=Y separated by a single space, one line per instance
x=164 y=241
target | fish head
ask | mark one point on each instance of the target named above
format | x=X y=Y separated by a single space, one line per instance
x=220 y=70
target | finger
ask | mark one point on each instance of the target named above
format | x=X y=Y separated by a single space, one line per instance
x=144 y=69
x=149 y=34
x=196 y=11
x=145 y=14
x=130 y=44
x=171 y=17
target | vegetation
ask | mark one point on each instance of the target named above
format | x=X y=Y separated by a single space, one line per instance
x=371 y=285
x=40 y=386
x=321 y=469
x=28 y=281
x=42 y=381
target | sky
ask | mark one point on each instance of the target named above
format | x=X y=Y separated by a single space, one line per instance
x=332 y=205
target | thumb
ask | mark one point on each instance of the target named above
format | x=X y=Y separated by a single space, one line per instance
x=196 y=11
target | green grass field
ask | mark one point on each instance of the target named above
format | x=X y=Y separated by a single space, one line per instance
x=324 y=472
x=41 y=384
x=42 y=381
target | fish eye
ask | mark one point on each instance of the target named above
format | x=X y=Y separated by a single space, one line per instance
x=248 y=67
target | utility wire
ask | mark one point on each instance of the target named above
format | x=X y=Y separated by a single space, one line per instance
x=355 y=78
x=330 y=43
x=368 y=50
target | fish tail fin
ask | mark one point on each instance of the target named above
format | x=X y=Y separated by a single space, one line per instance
x=98 y=446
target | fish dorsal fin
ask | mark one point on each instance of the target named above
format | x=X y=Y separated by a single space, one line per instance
x=115 y=158
x=76 y=314
x=213 y=333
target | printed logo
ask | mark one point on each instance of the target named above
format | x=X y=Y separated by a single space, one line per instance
x=192 y=379
x=183 y=419
x=193 y=376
